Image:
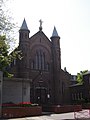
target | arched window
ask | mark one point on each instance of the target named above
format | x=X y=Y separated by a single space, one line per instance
x=43 y=61
x=39 y=59
x=32 y=65
x=47 y=66
x=26 y=35
x=36 y=59
x=72 y=96
x=39 y=62
x=21 y=35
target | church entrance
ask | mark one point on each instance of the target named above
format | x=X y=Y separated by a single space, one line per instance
x=41 y=95
x=39 y=90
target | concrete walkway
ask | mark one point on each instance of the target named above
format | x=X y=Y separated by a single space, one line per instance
x=65 y=116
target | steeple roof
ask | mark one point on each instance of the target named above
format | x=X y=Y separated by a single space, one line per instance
x=24 y=25
x=55 y=34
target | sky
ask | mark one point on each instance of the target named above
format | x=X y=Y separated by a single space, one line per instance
x=72 y=21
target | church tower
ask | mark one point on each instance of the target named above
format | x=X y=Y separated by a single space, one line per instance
x=56 y=48
x=56 y=55
x=24 y=32
x=24 y=48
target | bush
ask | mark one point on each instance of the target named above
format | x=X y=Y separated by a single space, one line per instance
x=9 y=104
x=27 y=104
x=21 y=104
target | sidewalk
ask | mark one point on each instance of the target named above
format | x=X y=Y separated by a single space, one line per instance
x=65 y=116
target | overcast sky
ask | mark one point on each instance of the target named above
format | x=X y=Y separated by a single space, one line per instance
x=72 y=21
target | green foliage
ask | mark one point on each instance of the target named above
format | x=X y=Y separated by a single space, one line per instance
x=5 y=57
x=7 y=27
x=80 y=76
x=6 y=38
x=5 y=20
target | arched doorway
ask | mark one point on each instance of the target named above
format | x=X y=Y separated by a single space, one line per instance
x=41 y=95
x=39 y=91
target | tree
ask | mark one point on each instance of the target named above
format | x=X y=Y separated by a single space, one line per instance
x=6 y=29
x=80 y=76
x=5 y=57
x=6 y=24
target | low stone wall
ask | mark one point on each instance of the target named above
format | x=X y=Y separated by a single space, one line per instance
x=63 y=109
x=15 y=112
x=86 y=106
x=67 y=108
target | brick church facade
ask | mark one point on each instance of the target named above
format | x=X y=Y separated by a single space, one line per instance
x=39 y=71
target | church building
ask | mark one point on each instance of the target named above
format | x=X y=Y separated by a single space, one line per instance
x=38 y=77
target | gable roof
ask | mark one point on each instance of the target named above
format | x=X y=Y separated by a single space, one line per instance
x=42 y=33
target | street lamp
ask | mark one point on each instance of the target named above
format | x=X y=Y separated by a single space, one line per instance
x=48 y=97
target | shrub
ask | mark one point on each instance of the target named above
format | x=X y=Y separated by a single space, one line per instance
x=21 y=104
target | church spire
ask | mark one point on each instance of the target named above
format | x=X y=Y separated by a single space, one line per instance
x=24 y=32
x=55 y=33
x=24 y=25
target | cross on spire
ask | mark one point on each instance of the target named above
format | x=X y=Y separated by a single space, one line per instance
x=40 y=28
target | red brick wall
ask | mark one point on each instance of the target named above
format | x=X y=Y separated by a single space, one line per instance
x=21 y=111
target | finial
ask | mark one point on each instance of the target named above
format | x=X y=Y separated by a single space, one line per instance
x=40 y=28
